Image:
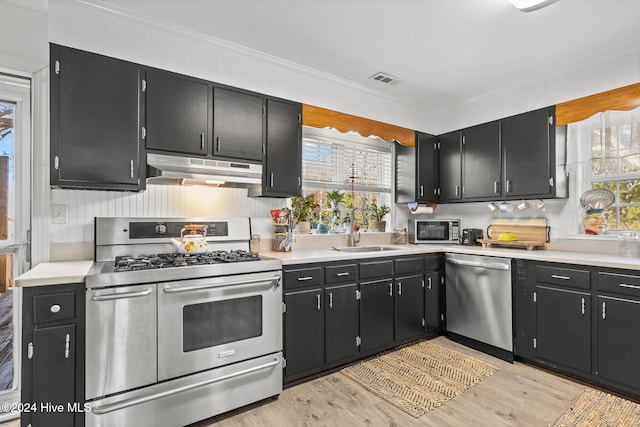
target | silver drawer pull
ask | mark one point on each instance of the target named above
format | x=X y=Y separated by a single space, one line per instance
x=624 y=285
x=318 y=306
x=122 y=295
x=557 y=276
x=55 y=308
x=302 y=279
x=583 y=306
x=67 y=342
x=604 y=310
x=342 y=274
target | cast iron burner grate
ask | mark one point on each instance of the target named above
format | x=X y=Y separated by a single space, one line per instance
x=170 y=260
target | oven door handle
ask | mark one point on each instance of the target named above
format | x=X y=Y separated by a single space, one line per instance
x=122 y=295
x=104 y=409
x=275 y=281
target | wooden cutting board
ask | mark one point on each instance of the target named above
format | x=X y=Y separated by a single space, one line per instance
x=525 y=229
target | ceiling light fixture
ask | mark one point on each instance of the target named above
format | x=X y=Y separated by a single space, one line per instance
x=530 y=5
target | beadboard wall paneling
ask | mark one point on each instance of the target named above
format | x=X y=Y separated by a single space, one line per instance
x=157 y=201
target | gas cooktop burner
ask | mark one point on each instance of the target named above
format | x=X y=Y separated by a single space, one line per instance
x=170 y=260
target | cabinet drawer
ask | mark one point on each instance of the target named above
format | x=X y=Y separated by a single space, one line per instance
x=432 y=262
x=563 y=277
x=369 y=270
x=302 y=277
x=54 y=307
x=340 y=273
x=409 y=265
x=619 y=283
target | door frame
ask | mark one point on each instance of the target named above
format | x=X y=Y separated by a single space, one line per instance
x=17 y=89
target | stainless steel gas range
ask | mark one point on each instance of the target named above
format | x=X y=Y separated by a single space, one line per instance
x=174 y=338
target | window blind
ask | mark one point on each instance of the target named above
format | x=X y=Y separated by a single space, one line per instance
x=339 y=165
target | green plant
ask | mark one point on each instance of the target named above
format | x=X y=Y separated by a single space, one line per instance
x=304 y=206
x=336 y=197
x=379 y=212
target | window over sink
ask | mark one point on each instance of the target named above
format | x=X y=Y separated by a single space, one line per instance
x=345 y=166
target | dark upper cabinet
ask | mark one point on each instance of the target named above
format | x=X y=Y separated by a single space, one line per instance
x=95 y=121
x=528 y=142
x=177 y=113
x=426 y=168
x=481 y=161
x=282 y=165
x=238 y=124
x=450 y=166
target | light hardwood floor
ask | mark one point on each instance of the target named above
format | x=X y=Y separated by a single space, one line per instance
x=517 y=395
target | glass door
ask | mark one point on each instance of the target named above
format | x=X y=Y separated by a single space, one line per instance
x=15 y=195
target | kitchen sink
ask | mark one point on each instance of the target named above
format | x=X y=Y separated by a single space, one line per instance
x=368 y=248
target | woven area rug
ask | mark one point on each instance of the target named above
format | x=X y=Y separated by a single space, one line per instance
x=420 y=377
x=595 y=408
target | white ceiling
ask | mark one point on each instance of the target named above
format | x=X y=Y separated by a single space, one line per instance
x=443 y=51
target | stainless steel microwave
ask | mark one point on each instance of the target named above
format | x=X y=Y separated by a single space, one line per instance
x=434 y=230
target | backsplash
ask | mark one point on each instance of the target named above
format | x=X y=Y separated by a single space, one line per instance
x=156 y=201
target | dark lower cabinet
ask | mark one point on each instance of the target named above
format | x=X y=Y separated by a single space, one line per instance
x=433 y=305
x=53 y=355
x=341 y=323
x=564 y=327
x=304 y=333
x=524 y=320
x=619 y=343
x=376 y=314
x=409 y=308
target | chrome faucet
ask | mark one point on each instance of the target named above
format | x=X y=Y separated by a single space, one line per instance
x=353 y=241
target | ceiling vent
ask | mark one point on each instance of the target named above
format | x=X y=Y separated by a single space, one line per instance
x=385 y=78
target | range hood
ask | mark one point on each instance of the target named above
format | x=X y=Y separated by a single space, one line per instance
x=177 y=170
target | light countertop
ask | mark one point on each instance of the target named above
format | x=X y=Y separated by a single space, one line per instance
x=55 y=273
x=581 y=258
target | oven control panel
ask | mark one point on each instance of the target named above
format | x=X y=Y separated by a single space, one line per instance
x=155 y=229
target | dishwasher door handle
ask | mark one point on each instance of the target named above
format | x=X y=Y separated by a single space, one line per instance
x=489 y=265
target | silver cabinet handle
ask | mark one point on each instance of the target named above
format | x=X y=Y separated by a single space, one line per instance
x=271 y=179
x=495 y=187
x=30 y=351
x=457 y=190
x=274 y=281
x=202 y=141
x=624 y=285
x=304 y=278
x=67 y=342
x=318 y=302
x=429 y=282
x=299 y=182
x=56 y=162
x=99 y=410
x=55 y=308
x=604 y=310
x=217 y=143
x=390 y=289
x=582 y=306
x=422 y=190
x=343 y=274
x=132 y=168
x=508 y=186
x=123 y=295
x=557 y=276
x=399 y=288
x=330 y=299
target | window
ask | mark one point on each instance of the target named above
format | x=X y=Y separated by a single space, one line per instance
x=358 y=167
x=615 y=157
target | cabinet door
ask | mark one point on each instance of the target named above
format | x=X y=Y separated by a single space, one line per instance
x=450 y=166
x=376 y=314
x=409 y=308
x=304 y=332
x=54 y=374
x=283 y=159
x=525 y=320
x=426 y=168
x=564 y=327
x=481 y=161
x=238 y=124
x=619 y=347
x=433 y=301
x=177 y=111
x=341 y=322
x=529 y=153
x=95 y=121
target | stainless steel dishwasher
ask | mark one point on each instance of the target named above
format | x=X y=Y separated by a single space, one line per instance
x=479 y=304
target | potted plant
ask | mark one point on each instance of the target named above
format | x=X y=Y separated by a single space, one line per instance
x=335 y=198
x=303 y=207
x=378 y=212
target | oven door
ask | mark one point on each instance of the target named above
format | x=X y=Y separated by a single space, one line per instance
x=206 y=323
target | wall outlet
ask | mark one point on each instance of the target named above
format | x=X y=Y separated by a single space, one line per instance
x=59 y=214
